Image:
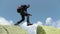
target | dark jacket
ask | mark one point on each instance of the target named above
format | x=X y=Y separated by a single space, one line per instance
x=22 y=9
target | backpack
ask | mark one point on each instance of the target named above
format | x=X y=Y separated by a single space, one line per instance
x=19 y=10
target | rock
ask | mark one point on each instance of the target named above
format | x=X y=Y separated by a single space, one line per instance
x=47 y=30
x=12 y=30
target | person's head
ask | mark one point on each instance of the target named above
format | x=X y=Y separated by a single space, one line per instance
x=28 y=5
x=19 y=7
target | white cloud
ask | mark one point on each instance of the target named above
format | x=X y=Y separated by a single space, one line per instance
x=32 y=28
x=51 y=22
x=40 y=23
x=4 y=21
x=58 y=24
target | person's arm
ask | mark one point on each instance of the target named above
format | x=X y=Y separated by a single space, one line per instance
x=27 y=13
x=25 y=10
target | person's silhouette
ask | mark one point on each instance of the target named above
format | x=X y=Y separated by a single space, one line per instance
x=23 y=12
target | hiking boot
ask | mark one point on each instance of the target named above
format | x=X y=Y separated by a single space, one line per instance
x=16 y=24
x=29 y=24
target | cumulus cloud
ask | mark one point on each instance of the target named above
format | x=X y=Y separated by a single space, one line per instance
x=48 y=22
x=51 y=22
x=39 y=23
x=4 y=21
x=57 y=24
x=32 y=28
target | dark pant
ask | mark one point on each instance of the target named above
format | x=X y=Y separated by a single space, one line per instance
x=23 y=18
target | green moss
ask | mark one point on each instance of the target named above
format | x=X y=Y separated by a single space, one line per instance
x=47 y=30
x=12 y=30
x=40 y=30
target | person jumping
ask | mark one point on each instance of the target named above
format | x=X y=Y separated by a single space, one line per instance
x=22 y=10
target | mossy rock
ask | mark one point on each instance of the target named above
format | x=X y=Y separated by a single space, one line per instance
x=47 y=30
x=12 y=30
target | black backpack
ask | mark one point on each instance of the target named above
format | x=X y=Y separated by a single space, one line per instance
x=19 y=10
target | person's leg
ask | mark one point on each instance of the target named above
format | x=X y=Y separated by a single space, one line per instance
x=28 y=19
x=28 y=22
x=23 y=18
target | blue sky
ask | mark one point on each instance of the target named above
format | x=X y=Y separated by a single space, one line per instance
x=40 y=9
x=43 y=12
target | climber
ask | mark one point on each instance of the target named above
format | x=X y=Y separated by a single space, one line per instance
x=22 y=10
